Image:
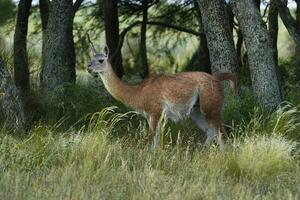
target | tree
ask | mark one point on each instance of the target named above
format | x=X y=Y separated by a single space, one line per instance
x=259 y=50
x=169 y=19
x=200 y=60
x=220 y=42
x=6 y=11
x=297 y=53
x=273 y=28
x=11 y=103
x=111 y=22
x=58 y=53
x=289 y=22
x=44 y=12
x=293 y=27
x=21 y=70
x=143 y=47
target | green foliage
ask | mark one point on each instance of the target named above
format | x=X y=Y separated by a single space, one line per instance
x=7 y=11
x=284 y=122
x=291 y=81
x=293 y=93
x=238 y=108
x=68 y=104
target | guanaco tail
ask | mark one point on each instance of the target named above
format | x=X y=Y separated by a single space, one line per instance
x=195 y=95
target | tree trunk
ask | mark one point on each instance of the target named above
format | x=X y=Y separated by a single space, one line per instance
x=257 y=3
x=143 y=47
x=293 y=27
x=58 y=55
x=230 y=15
x=239 y=45
x=220 y=43
x=289 y=22
x=71 y=55
x=44 y=12
x=21 y=71
x=111 y=22
x=200 y=60
x=273 y=28
x=259 y=50
x=10 y=101
x=297 y=52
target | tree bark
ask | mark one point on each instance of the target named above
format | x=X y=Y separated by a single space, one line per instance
x=111 y=23
x=260 y=55
x=289 y=22
x=220 y=43
x=200 y=60
x=293 y=27
x=58 y=55
x=297 y=52
x=44 y=12
x=143 y=46
x=239 y=45
x=257 y=3
x=273 y=28
x=230 y=15
x=10 y=101
x=71 y=55
x=21 y=70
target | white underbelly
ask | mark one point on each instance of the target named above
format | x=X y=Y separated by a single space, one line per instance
x=179 y=111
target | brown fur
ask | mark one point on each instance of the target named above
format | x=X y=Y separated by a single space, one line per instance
x=148 y=95
x=228 y=76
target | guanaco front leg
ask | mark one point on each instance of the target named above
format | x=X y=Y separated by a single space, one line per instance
x=152 y=133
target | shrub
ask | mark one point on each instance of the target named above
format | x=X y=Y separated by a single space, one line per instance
x=262 y=158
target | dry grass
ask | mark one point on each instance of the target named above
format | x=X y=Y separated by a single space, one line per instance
x=86 y=164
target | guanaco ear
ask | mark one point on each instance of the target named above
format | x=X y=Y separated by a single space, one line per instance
x=92 y=47
x=106 y=50
x=93 y=51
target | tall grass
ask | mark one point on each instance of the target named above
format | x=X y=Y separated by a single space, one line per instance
x=87 y=163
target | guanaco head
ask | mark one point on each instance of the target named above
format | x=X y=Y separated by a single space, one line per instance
x=98 y=62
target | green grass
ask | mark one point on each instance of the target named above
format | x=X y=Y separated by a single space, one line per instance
x=91 y=163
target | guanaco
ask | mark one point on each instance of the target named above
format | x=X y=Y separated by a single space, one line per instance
x=195 y=95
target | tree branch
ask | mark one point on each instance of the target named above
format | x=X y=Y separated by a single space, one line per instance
x=77 y=5
x=265 y=10
x=44 y=6
x=175 y=27
x=121 y=38
x=288 y=20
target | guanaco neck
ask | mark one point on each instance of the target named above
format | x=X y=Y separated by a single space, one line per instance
x=117 y=88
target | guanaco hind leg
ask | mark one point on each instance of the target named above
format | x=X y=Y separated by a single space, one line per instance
x=211 y=129
x=199 y=120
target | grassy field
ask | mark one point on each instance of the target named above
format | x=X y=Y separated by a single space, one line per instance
x=106 y=158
